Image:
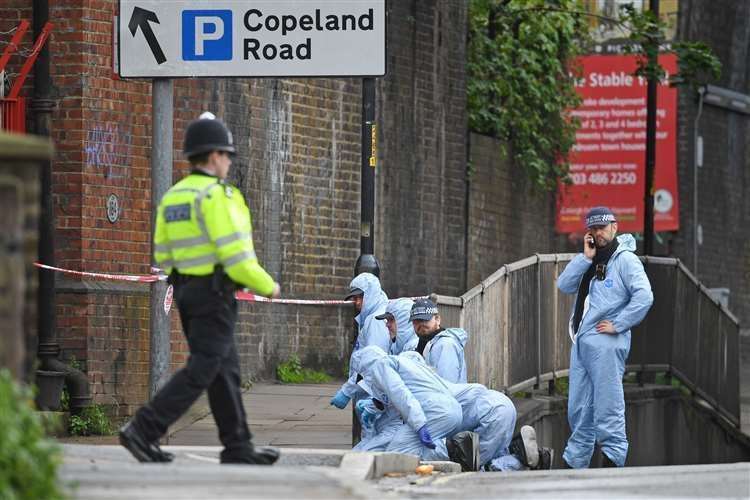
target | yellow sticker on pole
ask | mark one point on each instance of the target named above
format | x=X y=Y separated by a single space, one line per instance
x=374 y=146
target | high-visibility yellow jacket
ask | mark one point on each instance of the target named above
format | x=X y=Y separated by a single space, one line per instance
x=202 y=222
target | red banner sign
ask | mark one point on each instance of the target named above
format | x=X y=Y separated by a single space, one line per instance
x=607 y=164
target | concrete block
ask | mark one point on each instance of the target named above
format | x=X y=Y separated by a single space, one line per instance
x=358 y=465
x=310 y=456
x=443 y=466
x=375 y=465
x=388 y=462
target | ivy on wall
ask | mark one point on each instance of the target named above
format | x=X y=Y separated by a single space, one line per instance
x=520 y=84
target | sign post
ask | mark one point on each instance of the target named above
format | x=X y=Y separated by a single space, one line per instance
x=162 y=111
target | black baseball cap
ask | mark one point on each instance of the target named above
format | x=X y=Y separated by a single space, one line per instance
x=599 y=216
x=423 y=310
x=353 y=292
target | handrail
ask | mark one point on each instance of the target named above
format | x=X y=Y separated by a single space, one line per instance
x=517 y=325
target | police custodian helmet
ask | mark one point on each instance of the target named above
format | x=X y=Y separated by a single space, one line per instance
x=207 y=134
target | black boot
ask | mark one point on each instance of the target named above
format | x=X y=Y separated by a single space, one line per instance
x=546 y=458
x=607 y=462
x=463 y=448
x=260 y=455
x=140 y=448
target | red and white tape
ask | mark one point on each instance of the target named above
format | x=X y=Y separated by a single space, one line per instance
x=240 y=295
x=251 y=297
x=118 y=277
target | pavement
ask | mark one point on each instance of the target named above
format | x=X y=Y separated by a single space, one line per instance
x=123 y=478
x=679 y=481
x=314 y=438
x=109 y=471
x=284 y=415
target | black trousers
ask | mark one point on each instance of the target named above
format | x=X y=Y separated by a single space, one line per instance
x=208 y=318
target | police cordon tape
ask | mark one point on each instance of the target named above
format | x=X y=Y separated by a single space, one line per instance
x=106 y=276
x=158 y=276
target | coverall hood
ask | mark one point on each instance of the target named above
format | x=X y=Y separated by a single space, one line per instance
x=458 y=334
x=363 y=359
x=406 y=339
x=626 y=243
x=374 y=297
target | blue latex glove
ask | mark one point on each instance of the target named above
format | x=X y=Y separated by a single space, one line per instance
x=368 y=420
x=340 y=400
x=368 y=414
x=424 y=436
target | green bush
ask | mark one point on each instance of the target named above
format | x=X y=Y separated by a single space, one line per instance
x=561 y=386
x=28 y=460
x=663 y=378
x=292 y=372
x=93 y=421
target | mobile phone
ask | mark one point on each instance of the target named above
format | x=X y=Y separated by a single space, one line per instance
x=590 y=241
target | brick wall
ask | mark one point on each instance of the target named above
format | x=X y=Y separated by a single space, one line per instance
x=509 y=218
x=724 y=180
x=421 y=182
x=104 y=327
x=271 y=333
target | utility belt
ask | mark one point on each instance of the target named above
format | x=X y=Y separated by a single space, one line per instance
x=218 y=281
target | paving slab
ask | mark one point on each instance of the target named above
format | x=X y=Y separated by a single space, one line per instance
x=297 y=415
x=105 y=471
x=662 y=482
x=204 y=481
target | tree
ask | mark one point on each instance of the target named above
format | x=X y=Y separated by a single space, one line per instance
x=520 y=87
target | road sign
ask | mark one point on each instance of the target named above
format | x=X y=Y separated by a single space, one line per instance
x=273 y=38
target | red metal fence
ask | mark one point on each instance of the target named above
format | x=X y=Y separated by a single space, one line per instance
x=13 y=115
x=13 y=107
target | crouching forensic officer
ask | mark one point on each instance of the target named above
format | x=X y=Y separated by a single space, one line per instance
x=203 y=239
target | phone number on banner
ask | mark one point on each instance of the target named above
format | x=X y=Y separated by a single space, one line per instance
x=604 y=178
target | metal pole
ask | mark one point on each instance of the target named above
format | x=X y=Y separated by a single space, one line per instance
x=366 y=261
x=42 y=107
x=162 y=95
x=697 y=162
x=648 y=222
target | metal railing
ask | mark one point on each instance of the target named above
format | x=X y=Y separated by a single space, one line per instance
x=517 y=322
x=13 y=115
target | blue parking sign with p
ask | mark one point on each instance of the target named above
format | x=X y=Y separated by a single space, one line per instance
x=207 y=35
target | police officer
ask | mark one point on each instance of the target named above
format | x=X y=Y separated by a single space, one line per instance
x=442 y=348
x=613 y=296
x=203 y=239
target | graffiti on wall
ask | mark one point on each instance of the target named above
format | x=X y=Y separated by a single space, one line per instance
x=107 y=149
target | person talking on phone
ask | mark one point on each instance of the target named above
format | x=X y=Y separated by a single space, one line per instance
x=613 y=295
